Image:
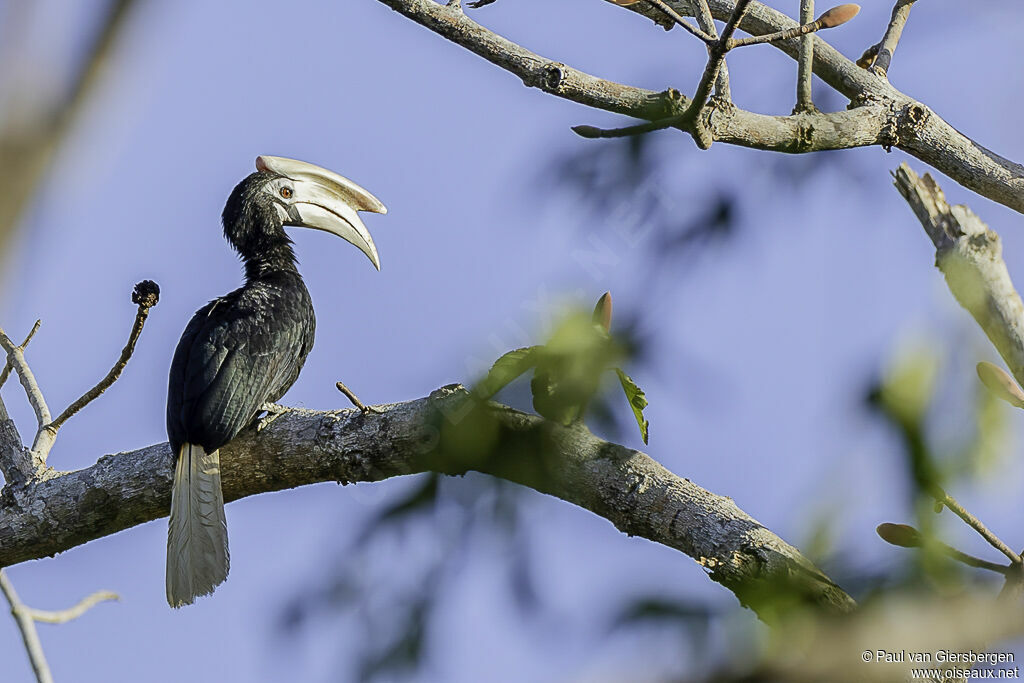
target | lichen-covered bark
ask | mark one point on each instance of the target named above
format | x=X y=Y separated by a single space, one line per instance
x=630 y=489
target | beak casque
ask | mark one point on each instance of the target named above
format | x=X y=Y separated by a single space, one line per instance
x=328 y=201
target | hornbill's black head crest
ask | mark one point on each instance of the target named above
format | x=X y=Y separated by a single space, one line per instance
x=286 y=192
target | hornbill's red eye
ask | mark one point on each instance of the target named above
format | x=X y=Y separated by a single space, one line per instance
x=286 y=192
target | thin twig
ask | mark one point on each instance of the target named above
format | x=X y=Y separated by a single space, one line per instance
x=878 y=58
x=972 y=561
x=805 y=61
x=978 y=526
x=16 y=357
x=353 y=398
x=627 y=131
x=716 y=56
x=26 y=617
x=707 y=23
x=689 y=120
x=146 y=295
x=837 y=16
x=29 y=635
x=6 y=372
x=906 y=536
x=788 y=34
x=59 y=617
x=674 y=16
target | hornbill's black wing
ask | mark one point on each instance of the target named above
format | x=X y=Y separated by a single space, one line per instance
x=230 y=361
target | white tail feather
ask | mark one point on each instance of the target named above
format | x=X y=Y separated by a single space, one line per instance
x=197 y=538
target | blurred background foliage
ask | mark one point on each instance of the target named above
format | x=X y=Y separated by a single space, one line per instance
x=951 y=431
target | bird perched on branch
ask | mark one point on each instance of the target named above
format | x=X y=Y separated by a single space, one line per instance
x=245 y=349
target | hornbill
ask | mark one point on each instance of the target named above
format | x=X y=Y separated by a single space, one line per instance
x=245 y=349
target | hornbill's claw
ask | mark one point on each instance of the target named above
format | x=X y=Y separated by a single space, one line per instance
x=273 y=411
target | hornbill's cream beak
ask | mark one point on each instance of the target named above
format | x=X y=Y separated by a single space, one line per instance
x=324 y=200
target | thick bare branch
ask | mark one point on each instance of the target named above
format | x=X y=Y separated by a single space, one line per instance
x=969 y=255
x=634 y=492
x=16 y=462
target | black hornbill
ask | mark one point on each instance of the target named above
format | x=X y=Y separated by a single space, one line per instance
x=245 y=349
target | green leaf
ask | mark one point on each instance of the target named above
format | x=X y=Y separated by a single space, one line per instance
x=507 y=368
x=570 y=367
x=637 y=401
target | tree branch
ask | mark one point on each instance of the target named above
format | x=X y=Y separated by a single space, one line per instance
x=16 y=359
x=970 y=257
x=146 y=295
x=707 y=24
x=805 y=62
x=700 y=33
x=634 y=492
x=979 y=526
x=914 y=129
x=878 y=58
x=27 y=626
x=26 y=618
x=65 y=615
x=16 y=463
x=6 y=372
x=19 y=466
x=893 y=119
x=716 y=58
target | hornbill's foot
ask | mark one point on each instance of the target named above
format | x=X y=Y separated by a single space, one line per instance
x=355 y=400
x=273 y=411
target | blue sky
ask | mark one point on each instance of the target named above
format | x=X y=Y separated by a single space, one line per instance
x=761 y=354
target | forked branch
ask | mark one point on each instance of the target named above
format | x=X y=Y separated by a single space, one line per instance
x=26 y=618
x=145 y=295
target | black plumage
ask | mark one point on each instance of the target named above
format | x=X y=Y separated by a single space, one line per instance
x=246 y=348
x=237 y=353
